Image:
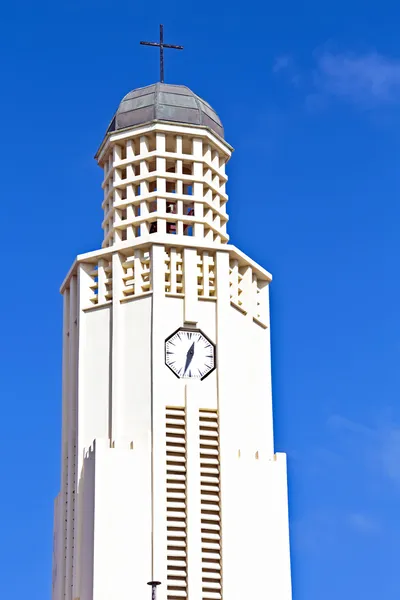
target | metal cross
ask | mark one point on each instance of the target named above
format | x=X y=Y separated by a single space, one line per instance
x=161 y=45
x=154 y=585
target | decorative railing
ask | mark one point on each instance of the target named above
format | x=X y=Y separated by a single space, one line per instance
x=248 y=292
x=136 y=274
x=248 y=286
x=101 y=282
x=206 y=286
x=173 y=271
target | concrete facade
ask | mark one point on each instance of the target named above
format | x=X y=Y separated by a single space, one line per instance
x=167 y=478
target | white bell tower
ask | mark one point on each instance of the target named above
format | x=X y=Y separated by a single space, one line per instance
x=168 y=464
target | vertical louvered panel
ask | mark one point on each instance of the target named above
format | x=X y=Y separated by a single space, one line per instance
x=176 y=504
x=210 y=505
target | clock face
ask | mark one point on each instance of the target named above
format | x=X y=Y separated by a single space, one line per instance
x=189 y=354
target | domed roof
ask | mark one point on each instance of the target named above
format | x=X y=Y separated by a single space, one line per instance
x=165 y=102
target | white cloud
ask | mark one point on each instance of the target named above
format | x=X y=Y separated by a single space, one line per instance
x=364 y=79
x=286 y=66
x=281 y=63
x=364 y=523
x=340 y=422
x=380 y=444
x=329 y=526
x=391 y=453
x=367 y=80
x=321 y=528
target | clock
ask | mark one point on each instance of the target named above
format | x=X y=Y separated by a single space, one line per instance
x=189 y=354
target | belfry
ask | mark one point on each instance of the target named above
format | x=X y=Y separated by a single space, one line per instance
x=168 y=465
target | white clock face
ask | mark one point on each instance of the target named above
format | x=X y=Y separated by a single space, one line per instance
x=189 y=354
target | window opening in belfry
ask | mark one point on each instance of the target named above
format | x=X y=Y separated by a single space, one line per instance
x=171 y=227
x=171 y=208
x=188 y=208
x=187 y=146
x=170 y=143
x=170 y=186
x=136 y=146
x=187 y=168
x=151 y=139
x=171 y=166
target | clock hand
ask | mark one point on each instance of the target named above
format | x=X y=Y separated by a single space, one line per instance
x=189 y=357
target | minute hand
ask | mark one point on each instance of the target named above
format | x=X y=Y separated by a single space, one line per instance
x=189 y=357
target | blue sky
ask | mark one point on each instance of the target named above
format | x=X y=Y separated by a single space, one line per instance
x=309 y=94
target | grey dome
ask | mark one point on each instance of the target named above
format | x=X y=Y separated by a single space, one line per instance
x=165 y=102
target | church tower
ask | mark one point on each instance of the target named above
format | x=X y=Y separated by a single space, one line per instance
x=168 y=464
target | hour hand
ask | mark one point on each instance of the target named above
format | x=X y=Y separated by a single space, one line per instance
x=189 y=357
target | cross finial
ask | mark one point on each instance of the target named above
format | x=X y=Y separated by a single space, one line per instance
x=154 y=585
x=161 y=45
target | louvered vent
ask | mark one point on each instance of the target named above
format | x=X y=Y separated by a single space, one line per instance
x=176 y=504
x=210 y=506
